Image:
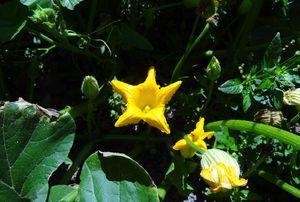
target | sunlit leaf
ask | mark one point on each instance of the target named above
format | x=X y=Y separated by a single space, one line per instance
x=32 y=146
x=233 y=86
x=110 y=176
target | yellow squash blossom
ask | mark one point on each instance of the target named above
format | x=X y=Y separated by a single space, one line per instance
x=196 y=136
x=145 y=101
x=220 y=170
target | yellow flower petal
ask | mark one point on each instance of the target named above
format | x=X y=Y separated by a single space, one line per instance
x=208 y=135
x=145 y=101
x=151 y=77
x=200 y=143
x=206 y=174
x=165 y=93
x=221 y=177
x=198 y=132
x=131 y=115
x=234 y=179
x=181 y=144
x=200 y=123
x=123 y=88
x=156 y=118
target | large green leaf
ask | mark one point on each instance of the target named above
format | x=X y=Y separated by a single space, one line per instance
x=113 y=177
x=34 y=142
x=12 y=19
x=63 y=193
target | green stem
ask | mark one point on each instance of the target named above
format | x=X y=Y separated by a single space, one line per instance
x=248 y=25
x=280 y=183
x=66 y=45
x=82 y=155
x=93 y=10
x=80 y=109
x=121 y=137
x=258 y=129
x=187 y=52
x=191 y=144
x=90 y=117
x=208 y=99
x=2 y=84
x=168 y=5
x=256 y=165
x=294 y=120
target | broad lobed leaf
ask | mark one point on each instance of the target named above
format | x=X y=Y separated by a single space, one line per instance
x=31 y=148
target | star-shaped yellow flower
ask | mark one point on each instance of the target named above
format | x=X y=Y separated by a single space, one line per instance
x=196 y=136
x=145 y=101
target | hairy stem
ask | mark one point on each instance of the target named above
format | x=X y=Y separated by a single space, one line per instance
x=258 y=129
x=188 y=50
x=280 y=183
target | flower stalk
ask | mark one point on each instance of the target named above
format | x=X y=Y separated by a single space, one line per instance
x=188 y=50
x=258 y=129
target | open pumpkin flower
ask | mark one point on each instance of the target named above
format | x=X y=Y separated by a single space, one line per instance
x=220 y=170
x=197 y=136
x=145 y=101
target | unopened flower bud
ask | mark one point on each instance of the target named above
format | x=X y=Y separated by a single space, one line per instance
x=269 y=117
x=292 y=97
x=90 y=87
x=213 y=69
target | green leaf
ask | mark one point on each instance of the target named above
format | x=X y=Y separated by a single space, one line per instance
x=266 y=84
x=70 y=4
x=12 y=22
x=273 y=52
x=112 y=177
x=32 y=146
x=258 y=129
x=178 y=172
x=247 y=195
x=225 y=140
x=131 y=38
x=276 y=97
x=232 y=86
x=246 y=100
x=213 y=69
x=63 y=193
x=41 y=3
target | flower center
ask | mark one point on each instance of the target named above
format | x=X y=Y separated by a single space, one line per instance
x=146 y=109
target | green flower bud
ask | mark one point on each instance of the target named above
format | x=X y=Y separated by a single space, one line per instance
x=213 y=69
x=45 y=16
x=90 y=87
x=269 y=117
